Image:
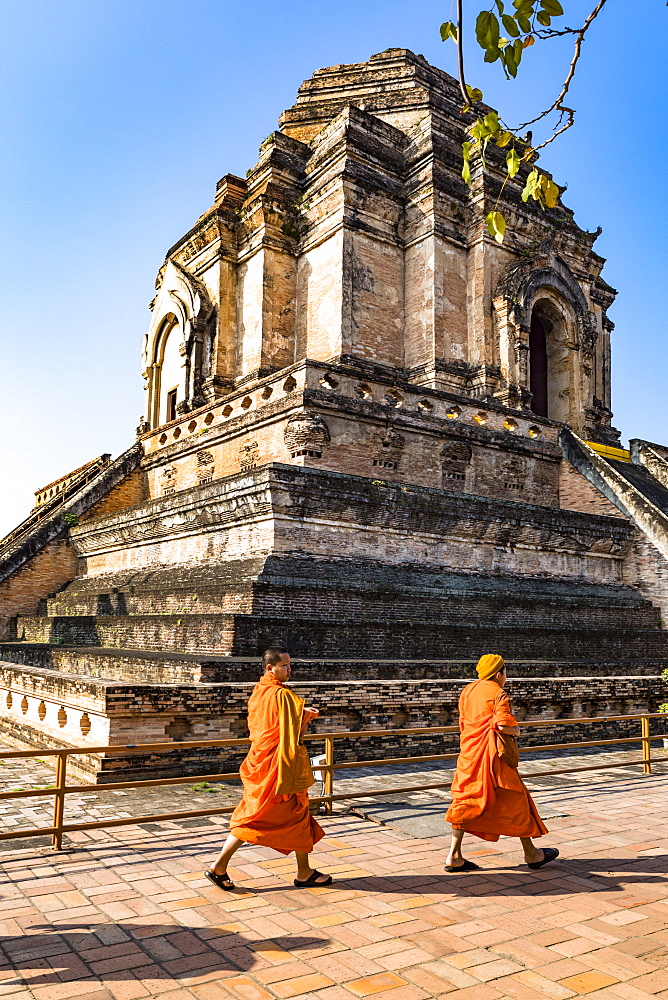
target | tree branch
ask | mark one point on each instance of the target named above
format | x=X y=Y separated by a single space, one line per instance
x=557 y=104
x=460 y=55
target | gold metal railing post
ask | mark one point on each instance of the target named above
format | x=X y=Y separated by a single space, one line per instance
x=328 y=784
x=646 y=746
x=59 y=801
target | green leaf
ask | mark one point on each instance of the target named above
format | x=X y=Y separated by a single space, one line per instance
x=474 y=93
x=482 y=28
x=491 y=121
x=466 y=169
x=504 y=139
x=510 y=24
x=491 y=55
x=530 y=186
x=553 y=7
x=543 y=18
x=500 y=6
x=524 y=23
x=509 y=61
x=512 y=162
x=496 y=226
x=448 y=30
x=494 y=30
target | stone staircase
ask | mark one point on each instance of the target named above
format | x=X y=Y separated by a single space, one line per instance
x=432 y=615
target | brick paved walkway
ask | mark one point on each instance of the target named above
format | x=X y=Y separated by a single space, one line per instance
x=128 y=914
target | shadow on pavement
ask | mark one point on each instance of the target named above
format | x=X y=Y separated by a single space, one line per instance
x=125 y=952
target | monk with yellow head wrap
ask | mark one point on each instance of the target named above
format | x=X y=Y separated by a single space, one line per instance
x=489 y=799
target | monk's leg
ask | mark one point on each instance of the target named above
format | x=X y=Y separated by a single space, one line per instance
x=455 y=858
x=531 y=852
x=231 y=845
x=304 y=869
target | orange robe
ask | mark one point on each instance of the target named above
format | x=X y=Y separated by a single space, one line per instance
x=489 y=799
x=263 y=816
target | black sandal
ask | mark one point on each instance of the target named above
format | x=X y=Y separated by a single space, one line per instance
x=313 y=880
x=220 y=880
x=550 y=854
x=468 y=866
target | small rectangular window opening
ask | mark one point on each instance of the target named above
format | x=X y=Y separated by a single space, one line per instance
x=171 y=405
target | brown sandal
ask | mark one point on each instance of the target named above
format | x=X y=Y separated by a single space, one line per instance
x=550 y=853
x=468 y=866
x=220 y=880
x=313 y=880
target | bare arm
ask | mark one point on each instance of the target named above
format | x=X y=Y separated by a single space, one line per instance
x=307 y=715
x=509 y=730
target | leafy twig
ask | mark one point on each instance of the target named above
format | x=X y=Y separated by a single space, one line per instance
x=557 y=104
x=529 y=19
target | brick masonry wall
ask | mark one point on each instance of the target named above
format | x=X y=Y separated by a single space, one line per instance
x=357 y=409
x=576 y=493
x=284 y=509
x=40 y=560
x=308 y=636
x=46 y=572
x=162 y=667
x=186 y=634
x=132 y=490
x=646 y=569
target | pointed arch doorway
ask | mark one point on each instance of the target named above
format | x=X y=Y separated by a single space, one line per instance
x=551 y=374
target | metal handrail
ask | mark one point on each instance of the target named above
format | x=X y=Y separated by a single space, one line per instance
x=60 y=788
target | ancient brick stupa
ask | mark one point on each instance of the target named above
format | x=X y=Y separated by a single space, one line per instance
x=371 y=433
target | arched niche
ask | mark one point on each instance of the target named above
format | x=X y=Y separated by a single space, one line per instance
x=177 y=355
x=169 y=373
x=551 y=375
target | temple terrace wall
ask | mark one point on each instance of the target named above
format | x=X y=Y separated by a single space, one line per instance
x=48 y=708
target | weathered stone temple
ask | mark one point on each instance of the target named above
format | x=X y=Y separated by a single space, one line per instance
x=371 y=433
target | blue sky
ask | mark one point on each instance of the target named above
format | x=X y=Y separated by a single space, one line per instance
x=119 y=116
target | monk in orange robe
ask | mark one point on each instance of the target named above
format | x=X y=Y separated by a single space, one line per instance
x=489 y=799
x=276 y=775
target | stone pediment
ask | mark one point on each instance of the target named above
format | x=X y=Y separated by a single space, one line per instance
x=181 y=293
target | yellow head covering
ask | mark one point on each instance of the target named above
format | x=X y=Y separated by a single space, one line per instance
x=489 y=665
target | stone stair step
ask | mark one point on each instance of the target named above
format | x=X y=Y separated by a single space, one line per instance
x=159 y=667
x=245 y=635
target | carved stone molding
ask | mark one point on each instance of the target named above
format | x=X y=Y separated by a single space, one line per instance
x=455 y=459
x=205 y=467
x=390 y=451
x=306 y=434
x=543 y=269
x=249 y=455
